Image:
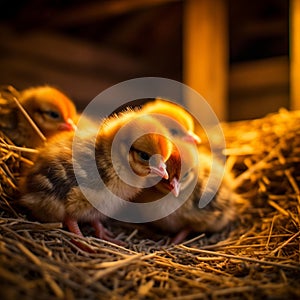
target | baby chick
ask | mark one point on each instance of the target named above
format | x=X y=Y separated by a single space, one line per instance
x=179 y=121
x=50 y=188
x=189 y=217
x=50 y=109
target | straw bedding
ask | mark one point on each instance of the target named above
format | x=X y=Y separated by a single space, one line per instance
x=256 y=257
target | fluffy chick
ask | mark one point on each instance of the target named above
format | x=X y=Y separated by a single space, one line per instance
x=179 y=121
x=50 y=188
x=189 y=217
x=50 y=109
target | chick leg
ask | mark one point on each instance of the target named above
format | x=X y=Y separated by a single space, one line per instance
x=100 y=231
x=180 y=236
x=72 y=225
x=104 y=234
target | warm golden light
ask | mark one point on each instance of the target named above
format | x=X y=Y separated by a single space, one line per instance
x=295 y=53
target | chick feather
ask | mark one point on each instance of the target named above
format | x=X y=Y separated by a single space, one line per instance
x=50 y=188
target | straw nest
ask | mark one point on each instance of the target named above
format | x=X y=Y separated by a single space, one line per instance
x=256 y=257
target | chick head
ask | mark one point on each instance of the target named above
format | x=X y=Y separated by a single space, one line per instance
x=50 y=109
x=179 y=122
x=149 y=146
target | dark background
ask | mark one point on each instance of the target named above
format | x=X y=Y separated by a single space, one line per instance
x=84 y=47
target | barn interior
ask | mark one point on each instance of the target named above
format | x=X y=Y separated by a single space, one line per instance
x=243 y=57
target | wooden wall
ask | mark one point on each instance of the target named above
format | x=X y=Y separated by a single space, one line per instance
x=237 y=54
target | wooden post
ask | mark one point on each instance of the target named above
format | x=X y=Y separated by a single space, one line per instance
x=205 y=52
x=295 y=53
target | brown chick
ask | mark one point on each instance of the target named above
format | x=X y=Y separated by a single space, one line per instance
x=50 y=109
x=179 y=122
x=189 y=217
x=51 y=190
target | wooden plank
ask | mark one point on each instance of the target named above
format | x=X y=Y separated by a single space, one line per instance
x=258 y=103
x=258 y=87
x=295 y=53
x=89 y=12
x=81 y=69
x=205 y=45
x=259 y=74
x=66 y=51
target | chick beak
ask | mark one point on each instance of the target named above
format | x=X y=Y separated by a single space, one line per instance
x=192 y=138
x=68 y=125
x=175 y=185
x=160 y=170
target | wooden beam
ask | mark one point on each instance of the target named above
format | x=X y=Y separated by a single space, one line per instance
x=259 y=74
x=89 y=12
x=295 y=53
x=205 y=61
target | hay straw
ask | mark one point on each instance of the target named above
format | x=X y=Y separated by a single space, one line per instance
x=257 y=257
x=28 y=118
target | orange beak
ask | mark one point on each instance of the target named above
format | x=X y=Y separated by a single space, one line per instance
x=160 y=170
x=175 y=185
x=191 y=137
x=68 y=125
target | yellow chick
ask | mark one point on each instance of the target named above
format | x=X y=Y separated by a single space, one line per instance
x=50 y=109
x=50 y=188
x=179 y=122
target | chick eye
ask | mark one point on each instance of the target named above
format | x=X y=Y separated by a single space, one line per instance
x=52 y=114
x=143 y=155
x=185 y=176
x=174 y=131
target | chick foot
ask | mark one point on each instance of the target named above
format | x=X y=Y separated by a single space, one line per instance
x=104 y=234
x=72 y=225
x=100 y=232
x=180 y=236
